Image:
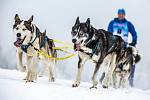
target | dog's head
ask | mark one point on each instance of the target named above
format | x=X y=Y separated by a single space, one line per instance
x=22 y=28
x=80 y=33
x=42 y=37
x=136 y=54
x=131 y=50
x=130 y=56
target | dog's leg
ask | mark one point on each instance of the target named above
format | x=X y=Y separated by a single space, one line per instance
x=53 y=73
x=113 y=69
x=95 y=75
x=51 y=70
x=114 y=79
x=117 y=81
x=127 y=80
x=81 y=63
x=108 y=77
x=28 y=61
x=123 y=81
x=97 y=66
x=33 y=75
x=42 y=70
x=31 y=69
x=19 y=61
x=125 y=76
x=107 y=62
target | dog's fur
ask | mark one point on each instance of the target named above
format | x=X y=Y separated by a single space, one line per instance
x=95 y=44
x=32 y=38
x=124 y=66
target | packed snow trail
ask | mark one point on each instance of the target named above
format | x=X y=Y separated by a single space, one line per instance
x=13 y=87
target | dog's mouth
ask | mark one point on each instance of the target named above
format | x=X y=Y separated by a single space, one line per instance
x=19 y=41
x=77 y=46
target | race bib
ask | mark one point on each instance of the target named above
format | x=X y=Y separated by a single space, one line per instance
x=121 y=29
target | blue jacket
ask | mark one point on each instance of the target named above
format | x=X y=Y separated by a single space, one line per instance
x=123 y=27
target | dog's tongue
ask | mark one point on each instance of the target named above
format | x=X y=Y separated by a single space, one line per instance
x=77 y=46
x=18 y=42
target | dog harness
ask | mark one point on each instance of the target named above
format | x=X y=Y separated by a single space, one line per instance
x=25 y=47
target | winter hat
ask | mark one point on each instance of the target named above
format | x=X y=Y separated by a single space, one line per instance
x=121 y=11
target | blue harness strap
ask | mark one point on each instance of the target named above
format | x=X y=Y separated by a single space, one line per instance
x=24 y=48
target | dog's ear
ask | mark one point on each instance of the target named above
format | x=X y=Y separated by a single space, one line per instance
x=17 y=19
x=77 y=21
x=31 y=19
x=137 y=58
x=43 y=33
x=88 y=21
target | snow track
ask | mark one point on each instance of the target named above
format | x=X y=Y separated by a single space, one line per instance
x=13 y=87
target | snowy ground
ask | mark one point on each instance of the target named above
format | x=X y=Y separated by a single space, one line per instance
x=12 y=87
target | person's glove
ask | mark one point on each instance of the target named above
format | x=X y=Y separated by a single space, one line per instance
x=132 y=44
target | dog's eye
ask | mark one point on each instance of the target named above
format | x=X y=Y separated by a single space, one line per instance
x=17 y=28
x=85 y=30
x=24 y=29
x=73 y=33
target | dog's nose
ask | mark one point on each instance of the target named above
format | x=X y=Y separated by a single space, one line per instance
x=74 y=40
x=18 y=34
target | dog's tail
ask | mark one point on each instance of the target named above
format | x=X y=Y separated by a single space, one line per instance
x=137 y=58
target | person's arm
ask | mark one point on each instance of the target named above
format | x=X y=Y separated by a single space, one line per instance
x=133 y=33
x=110 y=27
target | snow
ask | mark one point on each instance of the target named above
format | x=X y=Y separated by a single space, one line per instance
x=13 y=87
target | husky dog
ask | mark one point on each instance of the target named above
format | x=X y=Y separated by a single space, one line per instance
x=30 y=41
x=17 y=43
x=95 y=44
x=124 y=66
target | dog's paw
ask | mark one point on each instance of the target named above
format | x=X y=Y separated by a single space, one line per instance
x=29 y=81
x=40 y=76
x=25 y=78
x=93 y=87
x=105 y=87
x=52 y=79
x=76 y=84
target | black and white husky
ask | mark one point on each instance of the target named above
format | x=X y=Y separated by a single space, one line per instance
x=96 y=45
x=124 y=66
x=29 y=40
x=17 y=43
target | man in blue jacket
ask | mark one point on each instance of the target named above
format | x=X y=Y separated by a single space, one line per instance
x=122 y=27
